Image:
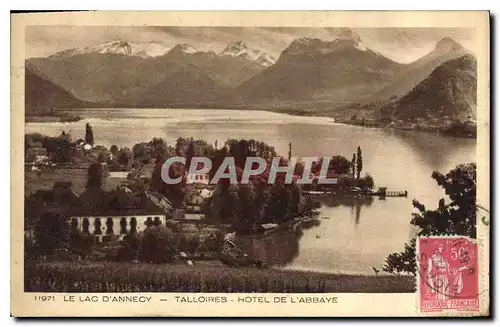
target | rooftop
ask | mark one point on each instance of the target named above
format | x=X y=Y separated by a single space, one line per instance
x=114 y=203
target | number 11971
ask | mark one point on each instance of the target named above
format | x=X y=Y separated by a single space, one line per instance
x=45 y=298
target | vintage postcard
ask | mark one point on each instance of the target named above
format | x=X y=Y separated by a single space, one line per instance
x=308 y=164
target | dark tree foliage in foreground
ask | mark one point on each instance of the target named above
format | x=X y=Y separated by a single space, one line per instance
x=458 y=216
x=81 y=243
x=94 y=177
x=51 y=233
x=130 y=247
x=158 y=245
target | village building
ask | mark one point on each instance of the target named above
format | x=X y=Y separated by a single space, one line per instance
x=197 y=179
x=36 y=157
x=160 y=200
x=196 y=199
x=194 y=204
x=105 y=213
x=119 y=174
x=146 y=171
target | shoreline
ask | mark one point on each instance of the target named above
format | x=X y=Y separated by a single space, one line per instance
x=440 y=130
x=51 y=119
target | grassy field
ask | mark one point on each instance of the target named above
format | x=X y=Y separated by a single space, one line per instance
x=206 y=277
x=77 y=176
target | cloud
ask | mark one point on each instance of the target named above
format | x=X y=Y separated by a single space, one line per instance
x=409 y=44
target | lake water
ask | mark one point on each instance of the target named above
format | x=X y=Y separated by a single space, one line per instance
x=359 y=233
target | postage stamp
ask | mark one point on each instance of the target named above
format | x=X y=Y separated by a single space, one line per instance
x=448 y=274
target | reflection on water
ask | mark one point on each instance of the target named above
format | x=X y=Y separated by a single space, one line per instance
x=282 y=248
x=435 y=149
x=275 y=249
x=355 y=203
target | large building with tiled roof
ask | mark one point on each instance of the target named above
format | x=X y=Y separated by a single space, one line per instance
x=115 y=212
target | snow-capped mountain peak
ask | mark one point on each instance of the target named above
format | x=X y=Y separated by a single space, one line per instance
x=184 y=48
x=117 y=47
x=240 y=49
x=235 y=49
x=344 y=39
x=348 y=34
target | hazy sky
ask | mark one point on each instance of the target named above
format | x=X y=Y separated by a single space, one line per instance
x=399 y=44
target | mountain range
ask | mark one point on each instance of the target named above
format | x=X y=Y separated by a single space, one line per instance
x=337 y=73
x=342 y=71
x=42 y=96
x=119 y=72
x=448 y=92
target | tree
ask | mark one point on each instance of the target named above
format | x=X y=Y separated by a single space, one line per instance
x=101 y=153
x=340 y=164
x=284 y=202
x=130 y=247
x=141 y=152
x=114 y=149
x=124 y=157
x=174 y=192
x=366 y=183
x=455 y=217
x=359 y=162
x=181 y=146
x=396 y=263
x=33 y=208
x=353 y=165
x=51 y=232
x=63 y=149
x=81 y=243
x=213 y=238
x=158 y=149
x=458 y=216
x=157 y=245
x=94 y=177
x=89 y=134
x=190 y=153
x=244 y=206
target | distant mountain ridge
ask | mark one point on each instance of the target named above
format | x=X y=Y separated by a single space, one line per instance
x=342 y=70
x=144 y=50
x=117 y=71
x=325 y=76
x=188 y=86
x=449 y=92
x=409 y=75
x=43 y=96
x=240 y=49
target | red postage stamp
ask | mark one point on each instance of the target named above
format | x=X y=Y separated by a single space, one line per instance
x=448 y=274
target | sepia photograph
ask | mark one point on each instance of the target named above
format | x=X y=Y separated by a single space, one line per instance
x=252 y=159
